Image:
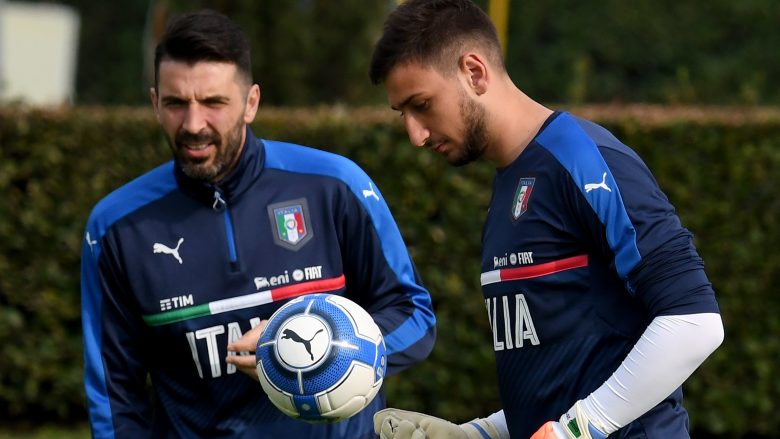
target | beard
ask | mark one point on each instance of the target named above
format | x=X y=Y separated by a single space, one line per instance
x=207 y=169
x=474 y=132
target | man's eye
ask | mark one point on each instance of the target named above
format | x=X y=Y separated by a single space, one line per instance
x=214 y=102
x=421 y=105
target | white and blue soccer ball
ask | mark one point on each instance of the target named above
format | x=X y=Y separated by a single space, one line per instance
x=321 y=358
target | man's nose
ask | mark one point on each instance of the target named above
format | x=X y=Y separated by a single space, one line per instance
x=194 y=119
x=418 y=134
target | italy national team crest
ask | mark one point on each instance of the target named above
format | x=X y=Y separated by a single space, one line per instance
x=522 y=195
x=291 y=223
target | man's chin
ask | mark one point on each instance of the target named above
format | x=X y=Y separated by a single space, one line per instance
x=459 y=159
x=198 y=171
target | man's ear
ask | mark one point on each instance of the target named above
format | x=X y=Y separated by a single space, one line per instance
x=252 y=103
x=474 y=66
x=153 y=96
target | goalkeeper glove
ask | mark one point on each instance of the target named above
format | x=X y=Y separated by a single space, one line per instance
x=574 y=424
x=402 y=424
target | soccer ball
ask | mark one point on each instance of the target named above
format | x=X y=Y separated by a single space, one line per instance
x=321 y=358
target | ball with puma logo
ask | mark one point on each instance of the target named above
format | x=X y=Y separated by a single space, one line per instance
x=321 y=358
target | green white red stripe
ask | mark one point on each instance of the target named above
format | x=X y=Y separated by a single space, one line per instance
x=531 y=271
x=243 y=302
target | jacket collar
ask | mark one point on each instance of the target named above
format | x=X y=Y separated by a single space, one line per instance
x=233 y=185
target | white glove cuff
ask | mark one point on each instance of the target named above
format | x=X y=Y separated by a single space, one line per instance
x=480 y=428
x=577 y=424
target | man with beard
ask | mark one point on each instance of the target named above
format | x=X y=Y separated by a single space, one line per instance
x=597 y=298
x=181 y=265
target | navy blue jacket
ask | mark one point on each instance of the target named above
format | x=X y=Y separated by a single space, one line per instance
x=168 y=263
x=581 y=250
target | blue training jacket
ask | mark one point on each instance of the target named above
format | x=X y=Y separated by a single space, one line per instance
x=581 y=250
x=164 y=254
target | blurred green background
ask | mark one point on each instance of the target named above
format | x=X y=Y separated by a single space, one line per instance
x=711 y=135
x=309 y=52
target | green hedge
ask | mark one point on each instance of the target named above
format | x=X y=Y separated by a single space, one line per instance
x=720 y=167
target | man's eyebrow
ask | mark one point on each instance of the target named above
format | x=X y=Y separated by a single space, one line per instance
x=168 y=99
x=172 y=99
x=215 y=98
x=402 y=104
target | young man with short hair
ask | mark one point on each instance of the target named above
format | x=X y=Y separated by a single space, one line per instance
x=598 y=300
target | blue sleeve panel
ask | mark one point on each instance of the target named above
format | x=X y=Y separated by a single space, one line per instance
x=157 y=248
x=653 y=253
x=141 y=191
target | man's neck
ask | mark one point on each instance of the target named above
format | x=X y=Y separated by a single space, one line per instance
x=515 y=122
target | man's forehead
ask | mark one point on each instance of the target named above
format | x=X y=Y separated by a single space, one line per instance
x=212 y=68
x=407 y=80
x=177 y=76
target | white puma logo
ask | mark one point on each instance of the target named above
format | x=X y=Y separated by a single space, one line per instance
x=90 y=243
x=370 y=192
x=162 y=248
x=590 y=186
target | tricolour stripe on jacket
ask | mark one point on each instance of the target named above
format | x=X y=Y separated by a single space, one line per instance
x=532 y=271
x=246 y=301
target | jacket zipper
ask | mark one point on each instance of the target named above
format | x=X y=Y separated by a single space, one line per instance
x=220 y=205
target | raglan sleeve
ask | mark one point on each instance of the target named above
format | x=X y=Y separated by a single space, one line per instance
x=114 y=375
x=382 y=277
x=659 y=263
x=632 y=221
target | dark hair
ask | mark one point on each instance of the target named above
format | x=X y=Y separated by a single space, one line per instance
x=204 y=36
x=434 y=33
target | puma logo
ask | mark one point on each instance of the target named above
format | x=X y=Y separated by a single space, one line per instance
x=370 y=192
x=90 y=243
x=603 y=185
x=162 y=248
x=289 y=334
